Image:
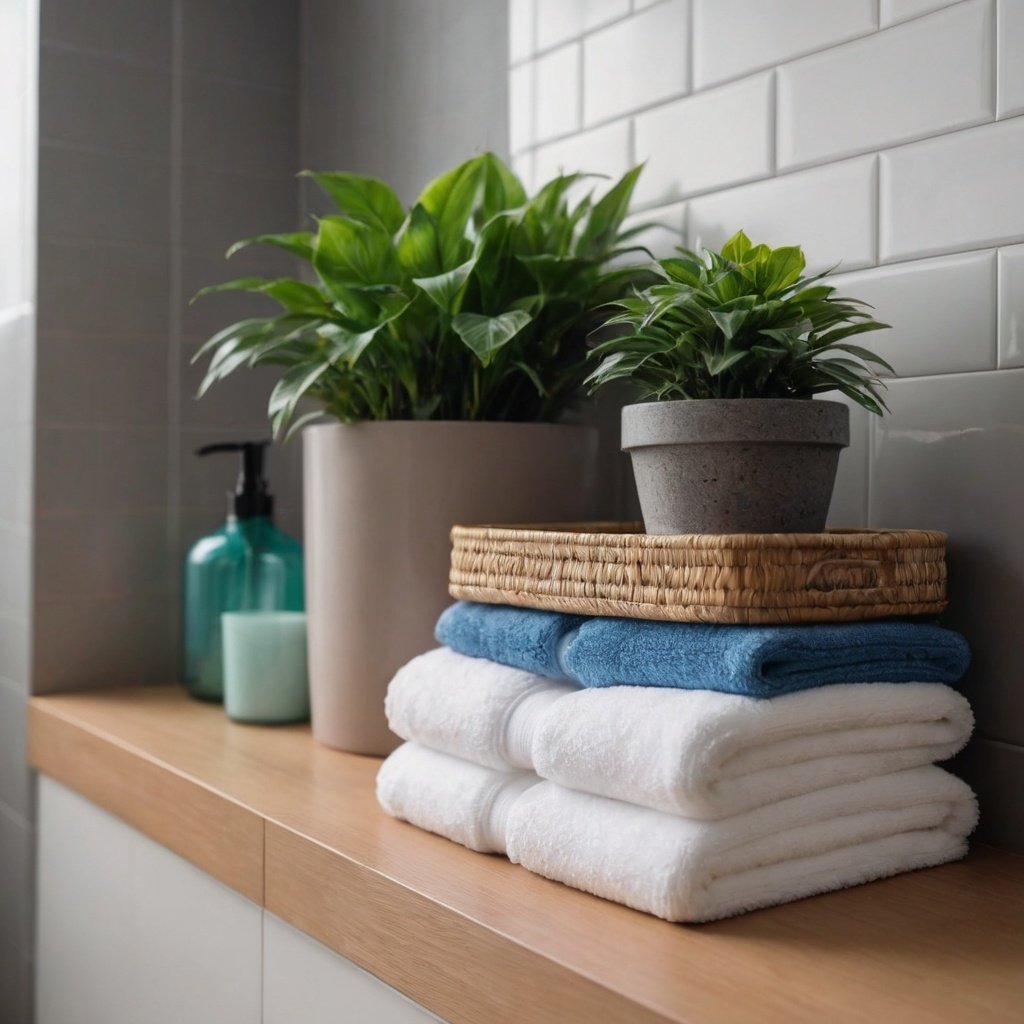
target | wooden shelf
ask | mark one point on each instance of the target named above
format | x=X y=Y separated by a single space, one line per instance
x=295 y=827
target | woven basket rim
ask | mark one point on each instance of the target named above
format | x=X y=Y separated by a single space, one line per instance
x=630 y=534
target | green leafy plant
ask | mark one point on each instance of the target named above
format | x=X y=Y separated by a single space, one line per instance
x=475 y=305
x=742 y=323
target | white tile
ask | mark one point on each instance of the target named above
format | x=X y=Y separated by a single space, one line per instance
x=16 y=559
x=1011 y=306
x=600 y=12
x=637 y=62
x=558 y=21
x=849 y=507
x=15 y=783
x=602 y=151
x=522 y=167
x=961 y=191
x=931 y=75
x=557 y=93
x=732 y=37
x=521 y=29
x=664 y=231
x=305 y=981
x=129 y=932
x=828 y=211
x=1010 y=87
x=17 y=383
x=893 y=11
x=708 y=141
x=16 y=462
x=942 y=312
x=949 y=457
x=521 y=107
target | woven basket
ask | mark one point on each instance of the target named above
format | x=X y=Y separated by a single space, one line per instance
x=615 y=569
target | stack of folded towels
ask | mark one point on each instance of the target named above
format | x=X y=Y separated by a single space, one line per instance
x=689 y=771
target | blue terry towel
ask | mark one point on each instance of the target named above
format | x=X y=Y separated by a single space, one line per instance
x=758 y=661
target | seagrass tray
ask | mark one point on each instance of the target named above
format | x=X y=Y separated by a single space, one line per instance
x=616 y=569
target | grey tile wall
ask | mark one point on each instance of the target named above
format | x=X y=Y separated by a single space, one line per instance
x=167 y=131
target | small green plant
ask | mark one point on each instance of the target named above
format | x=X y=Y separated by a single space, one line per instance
x=476 y=305
x=742 y=323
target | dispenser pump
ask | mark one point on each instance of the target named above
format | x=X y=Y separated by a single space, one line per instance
x=250 y=499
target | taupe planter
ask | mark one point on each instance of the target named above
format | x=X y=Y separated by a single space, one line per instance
x=735 y=465
x=380 y=500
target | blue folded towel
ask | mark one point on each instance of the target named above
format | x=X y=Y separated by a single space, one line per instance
x=758 y=661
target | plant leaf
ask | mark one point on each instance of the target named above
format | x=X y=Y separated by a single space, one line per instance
x=363 y=199
x=444 y=289
x=486 y=335
x=299 y=243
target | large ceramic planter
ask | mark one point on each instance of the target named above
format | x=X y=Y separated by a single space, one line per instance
x=380 y=501
x=735 y=465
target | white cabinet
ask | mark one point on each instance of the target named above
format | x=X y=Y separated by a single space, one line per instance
x=305 y=981
x=129 y=932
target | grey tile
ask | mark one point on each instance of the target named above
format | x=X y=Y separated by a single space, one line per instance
x=16 y=577
x=15 y=777
x=104 y=103
x=100 y=470
x=125 y=28
x=102 y=196
x=15 y=645
x=102 y=381
x=17 y=350
x=255 y=41
x=996 y=772
x=103 y=289
x=104 y=554
x=87 y=643
x=221 y=207
x=950 y=456
x=230 y=127
x=16 y=473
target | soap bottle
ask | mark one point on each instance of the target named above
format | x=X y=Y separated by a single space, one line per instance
x=247 y=565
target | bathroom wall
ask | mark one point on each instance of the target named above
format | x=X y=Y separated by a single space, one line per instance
x=18 y=31
x=885 y=136
x=167 y=130
x=402 y=90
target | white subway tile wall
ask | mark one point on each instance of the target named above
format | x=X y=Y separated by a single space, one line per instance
x=883 y=136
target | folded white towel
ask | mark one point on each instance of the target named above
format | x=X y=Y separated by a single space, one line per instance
x=471 y=708
x=692 y=752
x=685 y=870
x=711 y=755
x=464 y=802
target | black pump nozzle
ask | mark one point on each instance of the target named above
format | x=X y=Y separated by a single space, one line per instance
x=250 y=497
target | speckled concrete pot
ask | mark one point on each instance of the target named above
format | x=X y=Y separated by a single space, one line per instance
x=750 y=465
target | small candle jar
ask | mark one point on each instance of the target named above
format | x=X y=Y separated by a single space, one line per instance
x=265 y=675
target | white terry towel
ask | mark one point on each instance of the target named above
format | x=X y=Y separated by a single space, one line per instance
x=471 y=708
x=710 y=755
x=693 y=752
x=685 y=870
x=464 y=802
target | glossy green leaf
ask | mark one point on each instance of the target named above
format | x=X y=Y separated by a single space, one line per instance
x=486 y=335
x=299 y=243
x=363 y=199
x=445 y=289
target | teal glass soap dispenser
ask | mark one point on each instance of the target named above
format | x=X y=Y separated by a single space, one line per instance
x=247 y=565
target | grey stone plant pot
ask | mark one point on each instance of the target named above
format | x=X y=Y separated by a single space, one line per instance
x=380 y=500
x=745 y=465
